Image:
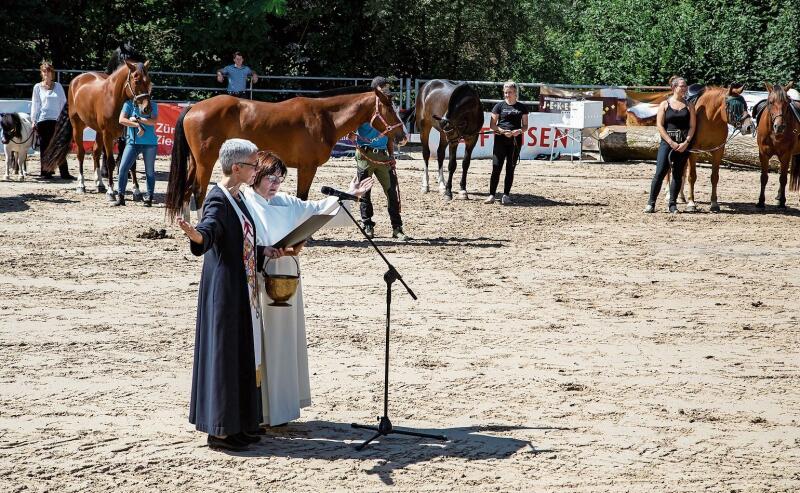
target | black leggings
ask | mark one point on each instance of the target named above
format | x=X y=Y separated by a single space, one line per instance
x=505 y=149
x=662 y=168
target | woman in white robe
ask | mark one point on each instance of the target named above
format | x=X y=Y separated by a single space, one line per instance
x=285 y=384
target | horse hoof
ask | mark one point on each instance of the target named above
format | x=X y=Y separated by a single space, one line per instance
x=111 y=197
x=781 y=205
x=760 y=205
x=101 y=189
x=462 y=195
x=691 y=208
x=425 y=189
x=448 y=196
x=714 y=207
x=81 y=189
x=137 y=196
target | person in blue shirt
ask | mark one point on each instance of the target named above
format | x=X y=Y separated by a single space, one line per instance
x=237 y=74
x=373 y=157
x=140 y=138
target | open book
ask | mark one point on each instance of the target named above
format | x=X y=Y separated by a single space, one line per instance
x=304 y=230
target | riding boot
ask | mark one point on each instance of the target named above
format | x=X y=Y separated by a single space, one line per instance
x=64 y=171
x=120 y=200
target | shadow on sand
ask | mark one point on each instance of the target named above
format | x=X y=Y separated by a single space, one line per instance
x=334 y=441
x=20 y=203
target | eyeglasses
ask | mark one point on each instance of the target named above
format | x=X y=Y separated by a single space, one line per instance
x=247 y=164
x=275 y=178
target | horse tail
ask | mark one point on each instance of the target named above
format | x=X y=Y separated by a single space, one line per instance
x=56 y=152
x=177 y=188
x=794 y=184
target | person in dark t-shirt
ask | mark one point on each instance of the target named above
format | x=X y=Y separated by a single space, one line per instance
x=509 y=122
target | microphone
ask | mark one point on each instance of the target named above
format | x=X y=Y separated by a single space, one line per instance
x=341 y=195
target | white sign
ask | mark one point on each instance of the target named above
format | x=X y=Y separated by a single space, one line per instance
x=536 y=140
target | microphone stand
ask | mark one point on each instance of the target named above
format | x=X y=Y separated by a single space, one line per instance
x=384 y=424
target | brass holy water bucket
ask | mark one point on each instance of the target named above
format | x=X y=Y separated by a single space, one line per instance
x=281 y=287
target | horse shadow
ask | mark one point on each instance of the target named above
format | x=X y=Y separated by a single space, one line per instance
x=20 y=203
x=531 y=200
x=769 y=209
x=481 y=242
x=334 y=441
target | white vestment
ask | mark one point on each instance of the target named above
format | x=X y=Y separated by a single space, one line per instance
x=285 y=384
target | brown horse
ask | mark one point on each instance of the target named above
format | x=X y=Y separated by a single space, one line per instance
x=456 y=112
x=302 y=131
x=778 y=135
x=95 y=100
x=716 y=108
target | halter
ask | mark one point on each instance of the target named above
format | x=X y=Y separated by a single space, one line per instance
x=388 y=128
x=737 y=111
x=129 y=87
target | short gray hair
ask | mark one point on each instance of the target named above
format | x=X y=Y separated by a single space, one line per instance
x=235 y=151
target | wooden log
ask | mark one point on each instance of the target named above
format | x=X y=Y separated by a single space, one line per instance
x=621 y=143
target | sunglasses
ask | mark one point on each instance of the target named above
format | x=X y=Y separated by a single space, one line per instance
x=275 y=178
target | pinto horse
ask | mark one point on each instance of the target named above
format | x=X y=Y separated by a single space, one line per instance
x=95 y=100
x=455 y=111
x=302 y=131
x=778 y=135
x=18 y=137
x=716 y=108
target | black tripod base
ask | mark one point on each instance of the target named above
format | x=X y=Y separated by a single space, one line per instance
x=385 y=428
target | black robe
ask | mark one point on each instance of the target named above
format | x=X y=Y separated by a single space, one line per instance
x=225 y=399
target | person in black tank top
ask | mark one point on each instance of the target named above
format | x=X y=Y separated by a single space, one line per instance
x=676 y=125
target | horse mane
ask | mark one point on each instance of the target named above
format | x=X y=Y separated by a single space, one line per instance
x=340 y=90
x=461 y=92
x=780 y=94
x=124 y=52
x=11 y=120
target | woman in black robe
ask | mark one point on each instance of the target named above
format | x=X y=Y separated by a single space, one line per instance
x=225 y=399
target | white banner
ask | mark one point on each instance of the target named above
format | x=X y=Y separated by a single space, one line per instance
x=536 y=141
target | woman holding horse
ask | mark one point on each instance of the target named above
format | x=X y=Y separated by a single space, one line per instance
x=509 y=122
x=676 y=123
x=285 y=387
x=140 y=138
x=46 y=103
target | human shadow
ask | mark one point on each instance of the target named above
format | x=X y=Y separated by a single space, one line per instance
x=530 y=200
x=481 y=242
x=20 y=203
x=752 y=209
x=335 y=441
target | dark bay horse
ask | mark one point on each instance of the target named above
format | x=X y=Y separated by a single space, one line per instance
x=302 y=131
x=95 y=100
x=778 y=135
x=716 y=108
x=455 y=111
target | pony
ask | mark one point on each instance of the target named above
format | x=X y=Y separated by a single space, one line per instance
x=18 y=137
x=716 y=108
x=778 y=135
x=302 y=131
x=95 y=100
x=455 y=111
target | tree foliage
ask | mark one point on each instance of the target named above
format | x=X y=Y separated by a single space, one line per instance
x=566 y=41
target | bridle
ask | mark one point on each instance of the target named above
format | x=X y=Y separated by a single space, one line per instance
x=774 y=118
x=736 y=118
x=11 y=139
x=136 y=97
x=387 y=128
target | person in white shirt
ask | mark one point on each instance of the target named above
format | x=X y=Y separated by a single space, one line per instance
x=46 y=104
x=285 y=386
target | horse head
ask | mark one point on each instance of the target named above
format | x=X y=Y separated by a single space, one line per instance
x=139 y=85
x=387 y=117
x=452 y=130
x=736 y=110
x=778 y=108
x=12 y=126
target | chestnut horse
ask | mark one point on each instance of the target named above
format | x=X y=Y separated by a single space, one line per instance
x=456 y=112
x=95 y=100
x=778 y=135
x=302 y=131
x=716 y=108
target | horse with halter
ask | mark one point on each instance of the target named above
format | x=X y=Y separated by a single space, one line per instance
x=18 y=137
x=302 y=131
x=95 y=100
x=778 y=135
x=455 y=111
x=716 y=108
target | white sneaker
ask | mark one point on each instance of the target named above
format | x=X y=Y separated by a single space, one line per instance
x=506 y=200
x=649 y=208
x=489 y=200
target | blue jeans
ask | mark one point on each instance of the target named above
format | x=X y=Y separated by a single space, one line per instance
x=129 y=156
